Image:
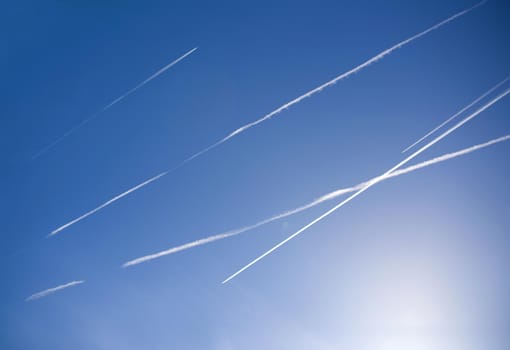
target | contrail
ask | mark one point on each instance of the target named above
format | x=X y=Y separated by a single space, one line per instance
x=107 y=203
x=285 y=106
x=322 y=199
x=114 y=102
x=354 y=70
x=372 y=182
x=457 y=114
x=52 y=290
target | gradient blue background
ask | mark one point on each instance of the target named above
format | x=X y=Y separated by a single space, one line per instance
x=417 y=262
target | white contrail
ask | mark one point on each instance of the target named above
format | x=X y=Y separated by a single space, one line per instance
x=322 y=199
x=372 y=182
x=117 y=100
x=107 y=203
x=286 y=105
x=457 y=114
x=354 y=70
x=52 y=290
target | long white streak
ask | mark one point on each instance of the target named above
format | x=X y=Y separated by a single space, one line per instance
x=107 y=203
x=322 y=199
x=372 y=182
x=114 y=102
x=52 y=290
x=354 y=70
x=302 y=97
x=457 y=114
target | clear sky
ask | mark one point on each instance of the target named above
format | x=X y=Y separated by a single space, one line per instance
x=417 y=262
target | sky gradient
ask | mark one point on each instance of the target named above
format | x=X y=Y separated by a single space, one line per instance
x=418 y=262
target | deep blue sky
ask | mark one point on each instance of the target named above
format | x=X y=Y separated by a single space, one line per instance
x=417 y=262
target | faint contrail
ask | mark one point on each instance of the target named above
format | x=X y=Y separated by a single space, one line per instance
x=457 y=114
x=322 y=199
x=283 y=107
x=105 y=204
x=372 y=182
x=117 y=100
x=53 y=290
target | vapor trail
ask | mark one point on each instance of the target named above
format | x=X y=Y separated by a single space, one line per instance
x=107 y=203
x=322 y=199
x=52 y=290
x=354 y=70
x=114 y=102
x=285 y=106
x=457 y=114
x=372 y=182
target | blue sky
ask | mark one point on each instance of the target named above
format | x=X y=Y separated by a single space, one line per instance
x=416 y=262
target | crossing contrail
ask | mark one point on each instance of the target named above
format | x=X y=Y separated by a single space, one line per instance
x=457 y=114
x=372 y=182
x=114 y=102
x=52 y=290
x=320 y=200
x=277 y=111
